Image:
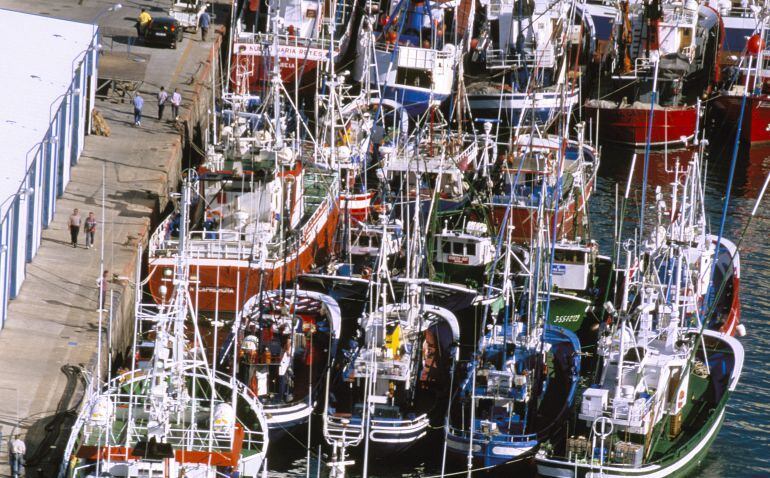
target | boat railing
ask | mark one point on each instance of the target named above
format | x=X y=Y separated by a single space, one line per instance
x=679 y=17
x=151 y=312
x=387 y=368
x=411 y=424
x=498 y=59
x=161 y=234
x=641 y=64
x=253 y=440
x=416 y=57
x=191 y=439
x=343 y=429
x=222 y=244
x=499 y=437
x=632 y=412
x=285 y=40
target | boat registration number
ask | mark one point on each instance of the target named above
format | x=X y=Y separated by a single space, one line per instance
x=452 y=259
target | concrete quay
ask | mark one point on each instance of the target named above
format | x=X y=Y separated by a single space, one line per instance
x=53 y=324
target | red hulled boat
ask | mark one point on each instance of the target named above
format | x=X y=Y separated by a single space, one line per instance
x=533 y=169
x=306 y=34
x=664 y=54
x=755 y=128
x=629 y=124
x=258 y=225
x=752 y=81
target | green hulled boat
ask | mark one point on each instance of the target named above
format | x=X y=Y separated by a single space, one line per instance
x=658 y=402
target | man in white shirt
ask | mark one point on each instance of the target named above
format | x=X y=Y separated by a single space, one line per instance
x=17 y=450
x=74 y=226
x=176 y=102
x=162 y=97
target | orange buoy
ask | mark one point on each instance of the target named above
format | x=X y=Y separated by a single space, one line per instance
x=754 y=45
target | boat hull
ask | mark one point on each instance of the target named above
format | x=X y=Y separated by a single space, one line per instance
x=491 y=452
x=755 y=128
x=415 y=101
x=677 y=467
x=524 y=219
x=510 y=106
x=629 y=125
x=225 y=284
x=677 y=461
x=252 y=65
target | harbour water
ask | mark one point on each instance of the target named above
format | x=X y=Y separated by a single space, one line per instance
x=741 y=449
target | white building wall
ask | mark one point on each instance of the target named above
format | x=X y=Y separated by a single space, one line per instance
x=5 y=267
x=31 y=209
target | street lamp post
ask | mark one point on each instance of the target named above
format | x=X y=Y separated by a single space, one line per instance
x=103 y=12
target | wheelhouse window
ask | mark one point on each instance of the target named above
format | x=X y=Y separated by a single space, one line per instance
x=413 y=77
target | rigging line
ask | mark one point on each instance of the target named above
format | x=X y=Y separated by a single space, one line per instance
x=647 y=145
x=731 y=176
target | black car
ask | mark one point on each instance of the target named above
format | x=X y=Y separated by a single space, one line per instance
x=164 y=31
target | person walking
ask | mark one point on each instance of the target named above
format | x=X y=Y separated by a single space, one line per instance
x=90 y=229
x=205 y=23
x=74 y=224
x=176 y=102
x=138 y=104
x=162 y=97
x=142 y=22
x=102 y=283
x=17 y=450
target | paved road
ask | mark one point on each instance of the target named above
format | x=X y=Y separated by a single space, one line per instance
x=53 y=322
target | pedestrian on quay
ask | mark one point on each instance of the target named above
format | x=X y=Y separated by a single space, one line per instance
x=162 y=97
x=176 y=102
x=74 y=224
x=205 y=23
x=138 y=104
x=102 y=283
x=142 y=23
x=17 y=450
x=90 y=229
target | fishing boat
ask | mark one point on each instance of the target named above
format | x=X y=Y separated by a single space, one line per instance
x=406 y=53
x=394 y=381
x=522 y=379
x=418 y=172
x=663 y=59
x=370 y=241
x=172 y=412
x=288 y=341
x=668 y=361
x=511 y=399
x=748 y=89
x=547 y=169
x=580 y=277
x=266 y=211
x=463 y=256
x=658 y=403
x=301 y=35
x=709 y=269
x=739 y=21
x=528 y=61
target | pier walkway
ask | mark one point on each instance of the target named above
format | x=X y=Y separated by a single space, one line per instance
x=53 y=322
